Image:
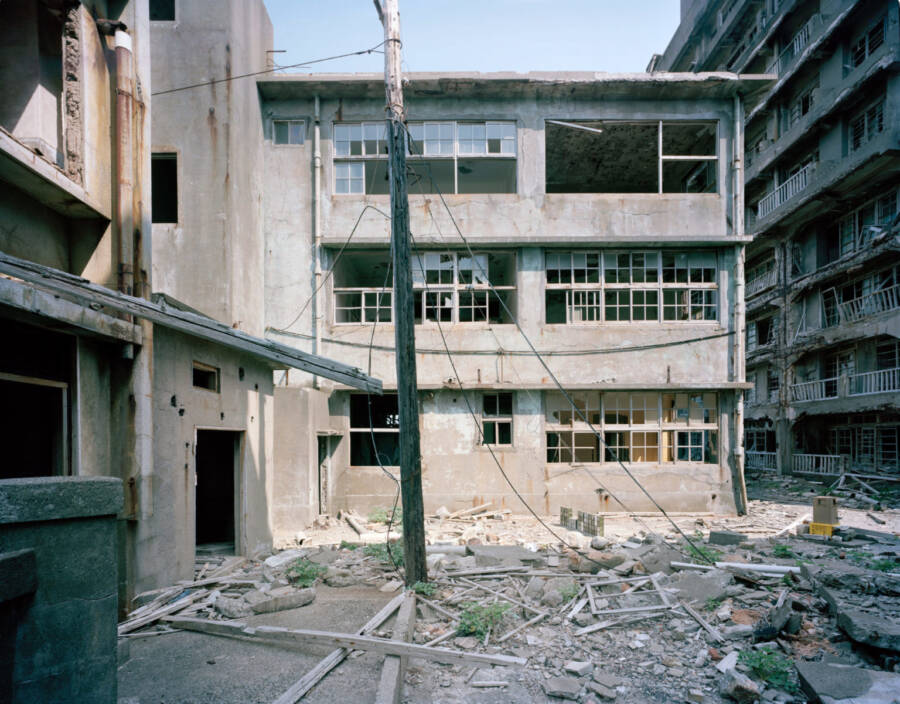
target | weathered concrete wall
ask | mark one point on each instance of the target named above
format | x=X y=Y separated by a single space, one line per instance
x=213 y=257
x=64 y=634
x=166 y=539
x=457 y=470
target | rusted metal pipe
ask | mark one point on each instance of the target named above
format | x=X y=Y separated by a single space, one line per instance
x=124 y=162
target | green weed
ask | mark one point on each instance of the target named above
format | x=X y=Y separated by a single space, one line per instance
x=783 y=551
x=380 y=552
x=702 y=553
x=304 y=573
x=569 y=592
x=475 y=620
x=424 y=588
x=771 y=667
x=885 y=564
x=713 y=603
x=383 y=515
x=348 y=546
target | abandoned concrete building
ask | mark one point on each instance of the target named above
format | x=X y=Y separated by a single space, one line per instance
x=101 y=375
x=823 y=270
x=597 y=217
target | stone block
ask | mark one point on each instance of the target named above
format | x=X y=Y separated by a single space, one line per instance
x=505 y=555
x=284 y=598
x=602 y=691
x=739 y=687
x=579 y=667
x=282 y=559
x=871 y=628
x=702 y=586
x=842 y=684
x=725 y=537
x=563 y=687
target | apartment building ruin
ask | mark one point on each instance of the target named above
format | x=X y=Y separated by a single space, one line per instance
x=823 y=283
x=597 y=217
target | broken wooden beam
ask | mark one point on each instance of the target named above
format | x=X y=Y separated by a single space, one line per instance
x=336 y=657
x=147 y=619
x=346 y=640
x=390 y=686
x=714 y=632
x=467 y=511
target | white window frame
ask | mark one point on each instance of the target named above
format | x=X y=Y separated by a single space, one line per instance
x=497 y=419
x=445 y=144
x=593 y=289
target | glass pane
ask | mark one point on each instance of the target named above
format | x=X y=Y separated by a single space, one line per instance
x=297 y=132
x=281 y=132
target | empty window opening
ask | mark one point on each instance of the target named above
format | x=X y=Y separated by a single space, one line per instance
x=362 y=288
x=162 y=10
x=34 y=433
x=866 y=43
x=289 y=131
x=602 y=156
x=164 y=184
x=497 y=419
x=217 y=463
x=206 y=377
x=449 y=156
x=374 y=431
x=866 y=125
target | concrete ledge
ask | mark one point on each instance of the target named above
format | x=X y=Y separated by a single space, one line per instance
x=57 y=498
x=18 y=574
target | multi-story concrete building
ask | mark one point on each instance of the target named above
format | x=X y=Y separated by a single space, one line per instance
x=596 y=217
x=823 y=270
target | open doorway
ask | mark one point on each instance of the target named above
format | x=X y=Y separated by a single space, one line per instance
x=327 y=445
x=217 y=496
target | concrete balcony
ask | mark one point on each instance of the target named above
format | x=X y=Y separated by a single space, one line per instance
x=883 y=301
x=786 y=59
x=763 y=461
x=761 y=283
x=782 y=194
x=818 y=390
x=878 y=382
x=827 y=465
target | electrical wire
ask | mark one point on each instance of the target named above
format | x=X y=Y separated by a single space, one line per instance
x=269 y=70
x=330 y=269
x=557 y=383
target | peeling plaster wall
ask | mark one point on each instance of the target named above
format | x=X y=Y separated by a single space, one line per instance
x=216 y=133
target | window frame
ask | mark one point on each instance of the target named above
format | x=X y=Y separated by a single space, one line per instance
x=421 y=154
x=692 y=417
x=290 y=121
x=865 y=118
x=497 y=418
x=367 y=431
x=861 y=48
x=633 y=294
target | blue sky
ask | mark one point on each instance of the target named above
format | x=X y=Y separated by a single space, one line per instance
x=479 y=35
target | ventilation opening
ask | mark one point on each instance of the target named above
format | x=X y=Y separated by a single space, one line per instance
x=206 y=377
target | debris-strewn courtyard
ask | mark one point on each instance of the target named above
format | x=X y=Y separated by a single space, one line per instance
x=749 y=608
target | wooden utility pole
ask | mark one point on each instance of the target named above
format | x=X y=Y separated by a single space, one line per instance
x=404 y=330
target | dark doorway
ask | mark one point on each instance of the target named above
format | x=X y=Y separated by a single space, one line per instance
x=217 y=466
x=33 y=433
x=327 y=444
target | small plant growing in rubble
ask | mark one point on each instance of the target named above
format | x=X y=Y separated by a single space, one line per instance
x=304 y=573
x=885 y=564
x=782 y=551
x=713 y=603
x=706 y=554
x=424 y=588
x=380 y=552
x=569 y=592
x=476 y=620
x=770 y=666
x=383 y=515
x=348 y=546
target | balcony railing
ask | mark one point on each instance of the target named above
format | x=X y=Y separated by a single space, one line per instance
x=818 y=464
x=787 y=190
x=873 y=303
x=879 y=382
x=800 y=41
x=761 y=283
x=765 y=461
x=817 y=390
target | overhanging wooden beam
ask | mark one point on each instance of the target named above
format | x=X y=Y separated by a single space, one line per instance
x=280 y=356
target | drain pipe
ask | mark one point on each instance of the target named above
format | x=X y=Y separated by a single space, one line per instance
x=124 y=162
x=740 y=490
x=317 y=233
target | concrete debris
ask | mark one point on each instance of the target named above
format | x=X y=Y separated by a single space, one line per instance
x=610 y=621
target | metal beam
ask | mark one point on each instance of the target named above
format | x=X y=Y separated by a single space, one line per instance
x=280 y=356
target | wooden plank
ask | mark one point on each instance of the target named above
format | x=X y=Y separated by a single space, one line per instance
x=503 y=596
x=594 y=627
x=486 y=571
x=134 y=624
x=633 y=609
x=662 y=592
x=346 y=640
x=467 y=511
x=296 y=691
x=46 y=277
x=522 y=627
x=714 y=632
x=393 y=670
x=577 y=608
x=590 y=596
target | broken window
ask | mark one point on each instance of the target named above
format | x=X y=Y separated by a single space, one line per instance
x=760 y=332
x=289 y=131
x=496 y=419
x=164 y=186
x=162 y=10
x=773 y=383
x=866 y=125
x=374 y=430
x=800 y=105
x=206 y=377
x=446 y=156
x=609 y=156
x=455 y=287
x=362 y=288
x=635 y=427
x=887 y=355
x=615 y=286
x=867 y=42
